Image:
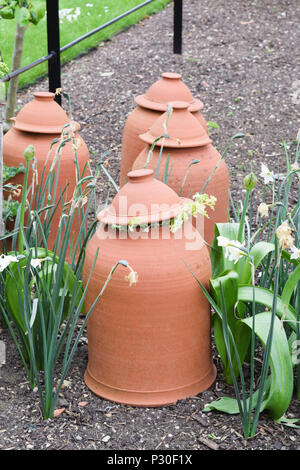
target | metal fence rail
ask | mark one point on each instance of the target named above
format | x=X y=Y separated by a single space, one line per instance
x=54 y=49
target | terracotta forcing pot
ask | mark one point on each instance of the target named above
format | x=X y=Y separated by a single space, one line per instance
x=188 y=142
x=148 y=344
x=38 y=123
x=150 y=106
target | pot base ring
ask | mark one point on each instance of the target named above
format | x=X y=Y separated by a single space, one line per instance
x=149 y=399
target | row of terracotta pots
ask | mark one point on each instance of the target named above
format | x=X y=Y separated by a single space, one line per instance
x=188 y=142
x=150 y=106
x=156 y=348
x=149 y=345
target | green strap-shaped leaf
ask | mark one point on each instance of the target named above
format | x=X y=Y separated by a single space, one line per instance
x=225 y=405
x=14 y=284
x=290 y=285
x=229 y=281
x=281 y=387
x=230 y=405
x=279 y=390
x=265 y=297
x=257 y=252
x=219 y=262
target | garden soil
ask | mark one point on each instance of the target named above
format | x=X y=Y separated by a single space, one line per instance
x=242 y=60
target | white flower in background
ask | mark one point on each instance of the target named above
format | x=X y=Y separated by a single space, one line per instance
x=69 y=14
x=233 y=253
x=266 y=174
x=37 y=262
x=284 y=235
x=232 y=248
x=89 y=5
x=223 y=241
x=295 y=166
x=263 y=209
x=295 y=252
x=5 y=261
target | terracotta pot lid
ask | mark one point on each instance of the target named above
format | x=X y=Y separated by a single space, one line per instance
x=168 y=88
x=143 y=198
x=183 y=129
x=41 y=115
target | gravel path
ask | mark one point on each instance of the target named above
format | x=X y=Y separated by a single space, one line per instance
x=242 y=60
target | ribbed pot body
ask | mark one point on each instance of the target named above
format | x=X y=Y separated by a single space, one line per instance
x=197 y=176
x=149 y=344
x=139 y=121
x=15 y=142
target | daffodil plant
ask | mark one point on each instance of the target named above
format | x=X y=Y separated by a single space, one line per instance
x=255 y=294
x=43 y=294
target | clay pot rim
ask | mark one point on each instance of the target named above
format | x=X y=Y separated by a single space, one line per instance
x=33 y=117
x=44 y=95
x=142 y=100
x=33 y=129
x=110 y=218
x=173 y=143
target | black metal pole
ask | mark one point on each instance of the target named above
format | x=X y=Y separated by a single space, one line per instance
x=177 y=25
x=53 y=47
x=24 y=69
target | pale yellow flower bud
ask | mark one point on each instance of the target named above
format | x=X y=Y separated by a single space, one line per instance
x=284 y=235
x=132 y=278
x=263 y=209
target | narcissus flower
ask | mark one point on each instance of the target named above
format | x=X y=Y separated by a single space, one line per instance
x=5 y=261
x=223 y=241
x=284 y=235
x=37 y=262
x=295 y=252
x=266 y=174
x=194 y=208
x=232 y=248
x=263 y=209
x=295 y=166
x=132 y=277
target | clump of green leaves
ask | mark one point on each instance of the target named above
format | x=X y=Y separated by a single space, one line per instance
x=24 y=11
x=255 y=294
x=43 y=294
x=4 y=70
x=10 y=205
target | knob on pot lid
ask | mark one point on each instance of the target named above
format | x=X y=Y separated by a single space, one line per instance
x=143 y=199
x=183 y=129
x=41 y=115
x=168 y=88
